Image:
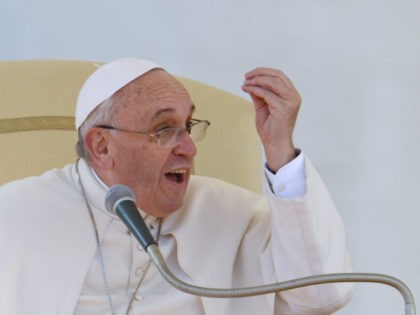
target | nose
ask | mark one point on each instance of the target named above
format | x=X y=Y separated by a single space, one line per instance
x=186 y=146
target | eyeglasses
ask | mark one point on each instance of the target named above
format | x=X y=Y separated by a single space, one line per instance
x=170 y=137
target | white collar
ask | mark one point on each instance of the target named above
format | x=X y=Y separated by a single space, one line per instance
x=96 y=191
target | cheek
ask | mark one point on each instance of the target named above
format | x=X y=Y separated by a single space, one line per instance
x=140 y=166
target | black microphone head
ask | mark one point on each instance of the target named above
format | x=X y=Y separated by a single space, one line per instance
x=116 y=194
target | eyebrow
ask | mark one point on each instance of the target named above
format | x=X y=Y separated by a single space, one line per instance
x=169 y=110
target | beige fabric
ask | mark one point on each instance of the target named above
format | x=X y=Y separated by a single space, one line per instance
x=45 y=88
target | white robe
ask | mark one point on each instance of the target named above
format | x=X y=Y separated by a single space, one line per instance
x=226 y=237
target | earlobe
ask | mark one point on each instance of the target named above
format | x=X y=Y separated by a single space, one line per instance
x=97 y=145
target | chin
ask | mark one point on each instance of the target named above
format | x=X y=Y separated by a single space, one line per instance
x=168 y=209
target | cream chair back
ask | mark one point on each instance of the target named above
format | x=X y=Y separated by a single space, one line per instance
x=37 y=130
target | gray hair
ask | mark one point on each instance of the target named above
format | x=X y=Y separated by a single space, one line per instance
x=100 y=115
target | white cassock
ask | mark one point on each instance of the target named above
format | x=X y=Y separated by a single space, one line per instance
x=223 y=236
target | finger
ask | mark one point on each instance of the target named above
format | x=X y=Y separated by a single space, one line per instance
x=267 y=96
x=271 y=99
x=271 y=73
x=263 y=71
x=273 y=84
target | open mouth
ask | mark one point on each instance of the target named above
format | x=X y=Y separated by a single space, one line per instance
x=177 y=176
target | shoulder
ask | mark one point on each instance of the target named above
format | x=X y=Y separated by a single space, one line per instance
x=44 y=180
x=212 y=205
x=218 y=194
x=210 y=185
x=37 y=193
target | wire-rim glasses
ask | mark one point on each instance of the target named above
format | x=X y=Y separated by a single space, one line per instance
x=170 y=137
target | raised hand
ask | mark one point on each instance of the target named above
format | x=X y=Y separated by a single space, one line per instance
x=277 y=103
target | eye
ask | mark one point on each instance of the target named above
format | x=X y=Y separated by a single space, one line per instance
x=190 y=123
x=162 y=131
x=161 y=128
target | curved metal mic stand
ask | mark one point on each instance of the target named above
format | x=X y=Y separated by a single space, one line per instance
x=157 y=258
x=120 y=200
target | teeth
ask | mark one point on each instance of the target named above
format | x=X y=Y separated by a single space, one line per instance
x=179 y=171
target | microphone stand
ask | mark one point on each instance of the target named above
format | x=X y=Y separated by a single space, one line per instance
x=157 y=258
x=120 y=200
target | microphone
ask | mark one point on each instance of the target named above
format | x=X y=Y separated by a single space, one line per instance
x=120 y=200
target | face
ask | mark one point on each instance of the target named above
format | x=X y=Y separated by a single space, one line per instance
x=158 y=176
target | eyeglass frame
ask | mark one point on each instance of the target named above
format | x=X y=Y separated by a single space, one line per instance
x=156 y=135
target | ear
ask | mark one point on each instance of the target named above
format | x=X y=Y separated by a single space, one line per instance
x=97 y=143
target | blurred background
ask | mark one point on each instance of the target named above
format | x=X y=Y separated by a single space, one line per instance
x=355 y=63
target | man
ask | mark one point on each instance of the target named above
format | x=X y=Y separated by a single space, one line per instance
x=64 y=253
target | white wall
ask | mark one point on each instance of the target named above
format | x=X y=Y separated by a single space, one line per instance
x=357 y=67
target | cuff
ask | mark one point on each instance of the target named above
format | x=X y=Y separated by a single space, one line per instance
x=290 y=180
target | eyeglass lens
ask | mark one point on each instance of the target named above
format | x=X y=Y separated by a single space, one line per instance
x=173 y=136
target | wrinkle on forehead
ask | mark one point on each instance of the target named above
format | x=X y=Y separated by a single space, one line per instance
x=153 y=94
x=170 y=110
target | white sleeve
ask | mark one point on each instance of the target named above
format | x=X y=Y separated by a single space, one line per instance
x=307 y=238
x=290 y=180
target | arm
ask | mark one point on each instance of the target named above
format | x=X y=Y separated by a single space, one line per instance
x=307 y=238
x=307 y=235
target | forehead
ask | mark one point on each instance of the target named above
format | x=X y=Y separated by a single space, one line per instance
x=155 y=94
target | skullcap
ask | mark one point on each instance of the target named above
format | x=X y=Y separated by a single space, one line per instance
x=107 y=80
